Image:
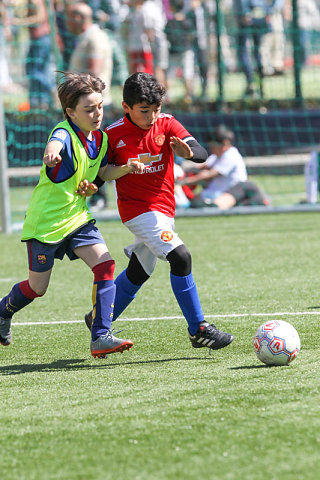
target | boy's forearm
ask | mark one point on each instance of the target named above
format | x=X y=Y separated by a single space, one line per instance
x=111 y=172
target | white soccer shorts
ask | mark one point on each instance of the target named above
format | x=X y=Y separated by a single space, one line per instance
x=154 y=238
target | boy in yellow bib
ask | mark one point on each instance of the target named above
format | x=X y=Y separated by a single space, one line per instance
x=58 y=221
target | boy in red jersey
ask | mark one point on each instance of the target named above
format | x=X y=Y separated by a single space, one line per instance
x=147 y=206
x=58 y=221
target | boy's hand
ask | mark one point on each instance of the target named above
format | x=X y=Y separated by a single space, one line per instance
x=136 y=166
x=51 y=159
x=181 y=148
x=86 y=188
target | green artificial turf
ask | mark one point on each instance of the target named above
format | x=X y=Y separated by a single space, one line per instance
x=165 y=411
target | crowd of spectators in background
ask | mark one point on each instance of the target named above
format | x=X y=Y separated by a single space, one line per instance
x=173 y=39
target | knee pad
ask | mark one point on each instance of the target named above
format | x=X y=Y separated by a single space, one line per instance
x=180 y=261
x=135 y=272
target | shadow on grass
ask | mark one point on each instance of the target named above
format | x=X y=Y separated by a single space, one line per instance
x=252 y=367
x=80 y=364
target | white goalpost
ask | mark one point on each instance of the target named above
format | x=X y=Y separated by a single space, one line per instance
x=5 y=226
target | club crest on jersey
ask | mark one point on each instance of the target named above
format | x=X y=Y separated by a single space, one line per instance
x=62 y=134
x=42 y=259
x=159 y=139
x=166 y=236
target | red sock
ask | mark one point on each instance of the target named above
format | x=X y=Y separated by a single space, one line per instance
x=27 y=291
x=104 y=271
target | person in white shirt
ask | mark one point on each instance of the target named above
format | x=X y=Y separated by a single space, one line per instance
x=224 y=169
x=224 y=176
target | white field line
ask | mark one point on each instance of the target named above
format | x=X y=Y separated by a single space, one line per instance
x=148 y=319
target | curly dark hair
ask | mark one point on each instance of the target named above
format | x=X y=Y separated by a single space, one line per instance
x=73 y=85
x=143 y=87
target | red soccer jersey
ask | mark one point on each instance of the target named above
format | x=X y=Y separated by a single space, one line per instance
x=152 y=190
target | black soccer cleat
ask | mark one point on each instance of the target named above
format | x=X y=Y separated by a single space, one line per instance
x=89 y=320
x=209 y=336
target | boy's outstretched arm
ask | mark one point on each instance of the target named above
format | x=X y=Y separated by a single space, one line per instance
x=112 y=172
x=107 y=173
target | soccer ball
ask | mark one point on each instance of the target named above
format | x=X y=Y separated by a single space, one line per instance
x=276 y=342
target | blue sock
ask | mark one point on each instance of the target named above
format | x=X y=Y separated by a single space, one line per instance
x=20 y=296
x=186 y=293
x=103 y=294
x=125 y=293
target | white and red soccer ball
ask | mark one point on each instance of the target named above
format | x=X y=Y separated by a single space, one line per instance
x=276 y=342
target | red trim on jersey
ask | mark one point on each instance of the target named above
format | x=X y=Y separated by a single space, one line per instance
x=27 y=291
x=104 y=271
x=54 y=172
x=29 y=254
x=154 y=189
x=98 y=137
x=83 y=139
x=97 y=134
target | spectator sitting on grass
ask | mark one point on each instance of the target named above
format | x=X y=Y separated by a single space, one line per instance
x=224 y=176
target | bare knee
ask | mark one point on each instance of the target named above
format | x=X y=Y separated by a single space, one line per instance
x=40 y=290
x=39 y=282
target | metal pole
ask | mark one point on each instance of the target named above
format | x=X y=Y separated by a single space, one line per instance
x=220 y=62
x=296 y=52
x=4 y=179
